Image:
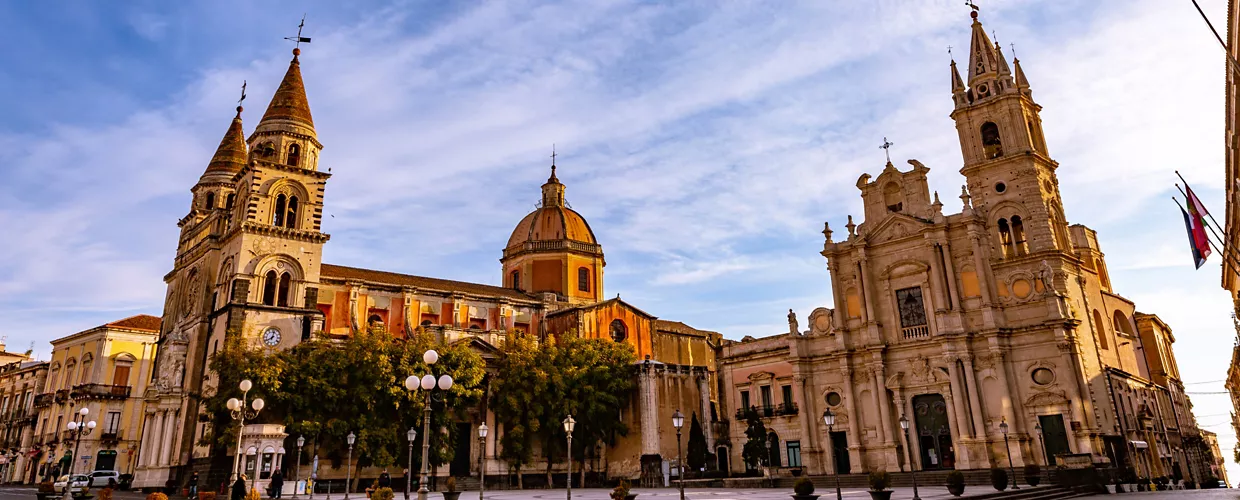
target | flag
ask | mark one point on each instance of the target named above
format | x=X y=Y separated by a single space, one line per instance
x=1195 y=206
x=1196 y=238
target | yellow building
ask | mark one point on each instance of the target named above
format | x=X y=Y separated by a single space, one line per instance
x=104 y=370
x=21 y=377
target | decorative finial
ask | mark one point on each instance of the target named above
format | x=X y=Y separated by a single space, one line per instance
x=886 y=147
x=553 y=160
x=964 y=197
x=242 y=99
x=826 y=231
x=972 y=6
x=949 y=54
x=936 y=198
x=852 y=228
x=297 y=40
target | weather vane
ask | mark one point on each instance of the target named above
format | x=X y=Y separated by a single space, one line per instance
x=299 y=39
x=239 y=101
x=886 y=147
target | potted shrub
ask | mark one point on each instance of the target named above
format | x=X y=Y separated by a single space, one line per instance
x=383 y=494
x=999 y=478
x=46 y=490
x=157 y=496
x=803 y=489
x=1033 y=474
x=206 y=495
x=621 y=492
x=955 y=483
x=450 y=492
x=879 y=481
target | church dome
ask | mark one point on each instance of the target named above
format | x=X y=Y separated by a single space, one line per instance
x=552 y=223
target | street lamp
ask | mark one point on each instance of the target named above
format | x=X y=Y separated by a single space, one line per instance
x=239 y=412
x=427 y=382
x=1003 y=427
x=301 y=441
x=829 y=419
x=411 y=435
x=482 y=455
x=77 y=428
x=1037 y=429
x=909 y=450
x=678 y=421
x=348 y=464
x=569 y=423
x=768 y=450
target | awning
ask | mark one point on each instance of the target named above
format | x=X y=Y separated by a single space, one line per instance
x=1140 y=445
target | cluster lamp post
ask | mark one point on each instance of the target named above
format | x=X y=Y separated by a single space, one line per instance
x=829 y=419
x=909 y=445
x=482 y=459
x=78 y=427
x=1003 y=427
x=240 y=413
x=427 y=382
x=569 y=423
x=678 y=421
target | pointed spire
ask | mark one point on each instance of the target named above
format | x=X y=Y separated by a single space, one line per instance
x=1022 y=83
x=1003 y=65
x=230 y=156
x=982 y=58
x=957 y=83
x=289 y=105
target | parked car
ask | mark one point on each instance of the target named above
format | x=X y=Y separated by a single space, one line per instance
x=78 y=485
x=99 y=478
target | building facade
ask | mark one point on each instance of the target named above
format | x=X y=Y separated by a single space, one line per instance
x=20 y=381
x=103 y=370
x=248 y=263
x=994 y=331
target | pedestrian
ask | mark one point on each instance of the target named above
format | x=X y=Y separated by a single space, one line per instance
x=385 y=479
x=277 y=484
x=238 y=488
x=193 y=486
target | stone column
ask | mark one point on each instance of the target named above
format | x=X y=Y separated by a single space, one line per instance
x=957 y=403
x=954 y=425
x=804 y=416
x=649 y=411
x=854 y=427
x=165 y=437
x=909 y=453
x=946 y=252
x=880 y=398
x=936 y=282
x=1006 y=399
x=983 y=278
x=970 y=380
x=703 y=383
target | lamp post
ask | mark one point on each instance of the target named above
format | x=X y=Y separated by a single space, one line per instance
x=829 y=419
x=348 y=464
x=78 y=426
x=411 y=435
x=1037 y=429
x=768 y=450
x=301 y=441
x=569 y=423
x=427 y=382
x=1003 y=427
x=240 y=413
x=908 y=445
x=482 y=459
x=678 y=421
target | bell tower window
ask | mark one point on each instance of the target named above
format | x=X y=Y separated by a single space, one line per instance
x=267 y=150
x=228 y=202
x=290 y=218
x=281 y=204
x=515 y=280
x=282 y=294
x=583 y=279
x=210 y=201
x=1005 y=238
x=269 y=288
x=294 y=154
x=892 y=198
x=1018 y=235
x=992 y=146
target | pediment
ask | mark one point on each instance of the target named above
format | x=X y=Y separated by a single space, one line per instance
x=896 y=226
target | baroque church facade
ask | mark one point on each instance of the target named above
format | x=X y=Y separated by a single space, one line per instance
x=248 y=263
x=992 y=327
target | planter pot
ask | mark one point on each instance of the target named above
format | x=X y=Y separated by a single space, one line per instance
x=796 y=472
x=451 y=495
x=1033 y=480
x=1111 y=488
x=805 y=497
x=955 y=490
x=630 y=496
x=880 y=495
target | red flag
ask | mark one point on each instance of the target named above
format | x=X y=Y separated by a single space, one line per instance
x=1195 y=206
x=1196 y=238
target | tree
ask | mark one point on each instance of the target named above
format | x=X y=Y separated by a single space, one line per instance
x=696 y=450
x=239 y=359
x=754 y=452
x=598 y=382
x=517 y=400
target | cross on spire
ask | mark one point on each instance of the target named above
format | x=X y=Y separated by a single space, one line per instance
x=553 y=155
x=297 y=40
x=886 y=147
x=949 y=52
x=1013 y=46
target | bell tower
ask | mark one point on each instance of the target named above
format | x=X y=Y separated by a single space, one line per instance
x=1010 y=174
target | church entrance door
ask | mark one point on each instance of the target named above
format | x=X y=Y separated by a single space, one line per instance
x=1054 y=436
x=934 y=436
x=839 y=449
x=460 y=461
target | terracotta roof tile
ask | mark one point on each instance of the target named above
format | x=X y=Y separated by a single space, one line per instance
x=139 y=322
x=369 y=275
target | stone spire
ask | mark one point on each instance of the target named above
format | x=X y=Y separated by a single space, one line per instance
x=983 y=61
x=231 y=155
x=1022 y=83
x=959 y=93
x=289 y=110
x=553 y=190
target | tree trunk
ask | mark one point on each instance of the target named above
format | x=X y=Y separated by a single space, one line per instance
x=549 y=483
x=583 y=473
x=520 y=482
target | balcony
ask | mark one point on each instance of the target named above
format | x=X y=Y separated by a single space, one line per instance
x=62 y=395
x=101 y=391
x=110 y=437
x=916 y=332
x=43 y=400
x=779 y=410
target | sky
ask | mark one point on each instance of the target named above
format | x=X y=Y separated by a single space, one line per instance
x=705 y=142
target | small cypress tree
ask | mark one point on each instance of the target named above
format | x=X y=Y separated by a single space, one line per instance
x=696 y=450
x=754 y=452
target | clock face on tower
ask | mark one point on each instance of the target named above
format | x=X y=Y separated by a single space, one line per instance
x=271 y=336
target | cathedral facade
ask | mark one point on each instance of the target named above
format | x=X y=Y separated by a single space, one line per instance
x=993 y=332
x=249 y=263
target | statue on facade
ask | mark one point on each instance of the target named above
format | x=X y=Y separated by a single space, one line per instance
x=793 y=326
x=1047 y=275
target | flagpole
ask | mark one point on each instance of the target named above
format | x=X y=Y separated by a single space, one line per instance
x=1208 y=240
x=1221 y=242
x=1208 y=214
x=1211 y=228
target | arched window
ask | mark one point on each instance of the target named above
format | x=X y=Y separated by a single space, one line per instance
x=210 y=200
x=285 y=283
x=515 y=280
x=1005 y=238
x=278 y=219
x=86 y=362
x=892 y=197
x=294 y=154
x=267 y=150
x=1121 y=323
x=69 y=372
x=229 y=201
x=619 y=331
x=992 y=146
x=1018 y=235
x=269 y=288
x=1102 y=330
x=583 y=279
x=290 y=218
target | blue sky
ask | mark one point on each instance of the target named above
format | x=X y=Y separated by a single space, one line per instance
x=706 y=142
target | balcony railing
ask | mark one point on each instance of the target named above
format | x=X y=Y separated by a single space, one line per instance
x=101 y=391
x=62 y=395
x=917 y=332
x=110 y=437
x=779 y=410
x=43 y=400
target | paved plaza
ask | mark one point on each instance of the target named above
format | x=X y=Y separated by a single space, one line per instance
x=932 y=493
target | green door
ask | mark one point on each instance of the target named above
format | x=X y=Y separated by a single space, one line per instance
x=1054 y=436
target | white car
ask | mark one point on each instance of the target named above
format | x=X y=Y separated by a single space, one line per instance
x=99 y=478
x=79 y=484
